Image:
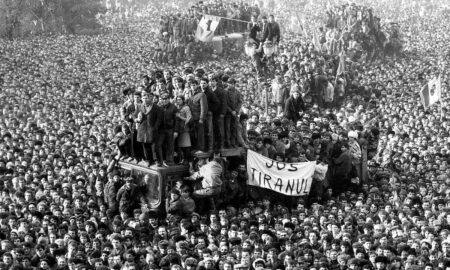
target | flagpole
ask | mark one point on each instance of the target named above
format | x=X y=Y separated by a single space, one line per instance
x=339 y=65
x=440 y=98
x=225 y=18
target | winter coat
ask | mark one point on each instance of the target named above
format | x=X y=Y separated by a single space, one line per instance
x=127 y=197
x=148 y=126
x=168 y=120
x=234 y=100
x=199 y=106
x=293 y=107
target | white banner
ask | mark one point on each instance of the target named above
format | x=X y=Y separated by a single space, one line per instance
x=206 y=28
x=292 y=179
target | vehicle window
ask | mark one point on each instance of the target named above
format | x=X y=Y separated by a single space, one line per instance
x=152 y=185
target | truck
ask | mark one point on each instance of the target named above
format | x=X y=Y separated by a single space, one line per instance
x=163 y=179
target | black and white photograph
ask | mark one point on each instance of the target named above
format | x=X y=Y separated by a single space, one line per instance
x=224 y=135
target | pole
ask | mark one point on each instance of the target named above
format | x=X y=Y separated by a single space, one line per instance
x=225 y=18
x=266 y=99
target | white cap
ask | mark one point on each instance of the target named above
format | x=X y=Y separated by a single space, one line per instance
x=353 y=134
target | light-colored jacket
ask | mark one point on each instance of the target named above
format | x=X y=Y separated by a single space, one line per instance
x=328 y=94
x=211 y=173
x=355 y=151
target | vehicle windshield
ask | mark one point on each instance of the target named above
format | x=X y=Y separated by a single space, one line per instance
x=152 y=183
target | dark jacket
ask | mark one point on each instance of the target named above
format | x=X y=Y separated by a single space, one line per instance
x=254 y=30
x=222 y=96
x=342 y=167
x=293 y=107
x=168 y=116
x=213 y=100
x=148 y=126
x=110 y=193
x=276 y=32
x=266 y=32
x=198 y=104
x=127 y=198
x=174 y=207
x=234 y=100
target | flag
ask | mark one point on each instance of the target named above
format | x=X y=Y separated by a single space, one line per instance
x=293 y=25
x=297 y=25
x=316 y=41
x=431 y=92
x=302 y=26
x=206 y=28
x=341 y=67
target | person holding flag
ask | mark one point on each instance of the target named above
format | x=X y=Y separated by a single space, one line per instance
x=339 y=82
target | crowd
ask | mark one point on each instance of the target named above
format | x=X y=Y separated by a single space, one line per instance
x=74 y=105
x=176 y=27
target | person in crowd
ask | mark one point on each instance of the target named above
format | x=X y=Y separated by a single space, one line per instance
x=242 y=137
x=219 y=114
x=174 y=206
x=213 y=107
x=341 y=168
x=355 y=151
x=199 y=108
x=110 y=193
x=294 y=107
x=127 y=196
x=183 y=124
x=254 y=30
x=280 y=92
x=276 y=32
x=234 y=104
x=186 y=201
x=266 y=30
x=167 y=132
x=149 y=120
x=129 y=113
x=62 y=111
x=209 y=173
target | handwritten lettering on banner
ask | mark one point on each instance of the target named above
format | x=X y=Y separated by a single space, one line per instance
x=292 y=179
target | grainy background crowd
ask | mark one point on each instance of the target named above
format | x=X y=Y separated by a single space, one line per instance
x=66 y=112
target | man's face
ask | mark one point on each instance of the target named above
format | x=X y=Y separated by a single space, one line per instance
x=213 y=84
x=162 y=232
x=165 y=100
x=7 y=260
x=203 y=84
x=115 y=243
x=147 y=99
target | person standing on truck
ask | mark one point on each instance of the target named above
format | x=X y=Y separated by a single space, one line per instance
x=199 y=109
x=149 y=117
x=167 y=134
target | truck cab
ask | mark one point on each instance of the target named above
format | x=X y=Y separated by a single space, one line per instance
x=163 y=178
